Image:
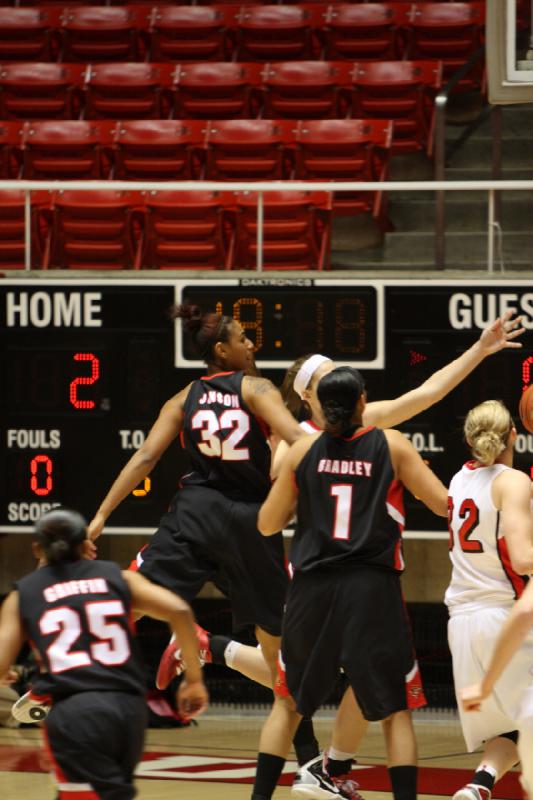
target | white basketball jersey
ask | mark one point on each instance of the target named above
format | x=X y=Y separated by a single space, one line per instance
x=482 y=574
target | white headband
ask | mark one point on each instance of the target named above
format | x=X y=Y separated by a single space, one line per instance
x=306 y=372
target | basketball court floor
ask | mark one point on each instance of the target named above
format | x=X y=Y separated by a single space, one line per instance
x=216 y=758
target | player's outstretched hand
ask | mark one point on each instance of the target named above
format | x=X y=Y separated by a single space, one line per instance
x=502 y=333
x=472 y=697
x=96 y=526
x=192 y=698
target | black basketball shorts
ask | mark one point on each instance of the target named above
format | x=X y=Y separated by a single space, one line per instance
x=356 y=619
x=205 y=536
x=95 y=740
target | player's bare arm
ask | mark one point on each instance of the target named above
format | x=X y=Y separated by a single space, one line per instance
x=11 y=635
x=498 y=336
x=511 y=494
x=280 y=505
x=518 y=624
x=415 y=475
x=265 y=400
x=160 y=603
x=162 y=434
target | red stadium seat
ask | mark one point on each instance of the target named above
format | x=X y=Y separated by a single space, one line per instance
x=296 y=230
x=186 y=230
x=96 y=33
x=26 y=34
x=95 y=230
x=10 y=149
x=158 y=149
x=305 y=89
x=190 y=33
x=39 y=90
x=450 y=32
x=127 y=91
x=365 y=31
x=247 y=149
x=216 y=90
x=275 y=33
x=403 y=91
x=66 y=149
x=347 y=150
x=12 y=229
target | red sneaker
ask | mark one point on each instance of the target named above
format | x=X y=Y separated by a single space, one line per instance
x=172 y=664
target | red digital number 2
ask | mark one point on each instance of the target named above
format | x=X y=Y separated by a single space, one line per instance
x=84 y=380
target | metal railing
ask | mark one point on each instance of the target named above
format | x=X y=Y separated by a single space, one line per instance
x=492 y=187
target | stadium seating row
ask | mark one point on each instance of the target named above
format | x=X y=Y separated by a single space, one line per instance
x=235 y=32
x=109 y=230
x=400 y=90
x=352 y=150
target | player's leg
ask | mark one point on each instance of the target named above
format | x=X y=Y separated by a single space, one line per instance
x=500 y=754
x=401 y=747
x=274 y=744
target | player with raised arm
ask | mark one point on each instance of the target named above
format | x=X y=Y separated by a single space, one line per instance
x=345 y=606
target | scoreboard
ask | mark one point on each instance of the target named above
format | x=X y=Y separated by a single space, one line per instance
x=86 y=364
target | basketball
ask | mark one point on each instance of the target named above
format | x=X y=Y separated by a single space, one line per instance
x=526 y=409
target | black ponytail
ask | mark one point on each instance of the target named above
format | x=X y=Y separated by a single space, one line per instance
x=60 y=533
x=339 y=392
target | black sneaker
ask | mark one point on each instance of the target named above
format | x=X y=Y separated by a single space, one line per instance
x=313 y=782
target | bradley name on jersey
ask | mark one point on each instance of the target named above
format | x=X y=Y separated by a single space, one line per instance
x=342 y=466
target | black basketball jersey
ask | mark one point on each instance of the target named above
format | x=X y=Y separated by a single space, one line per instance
x=226 y=443
x=350 y=507
x=77 y=618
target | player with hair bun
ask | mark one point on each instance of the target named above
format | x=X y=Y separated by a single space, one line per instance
x=76 y=614
x=491 y=548
x=345 y=606
x=224 y=421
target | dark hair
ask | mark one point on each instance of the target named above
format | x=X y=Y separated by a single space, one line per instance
x=298 y=407
x=206 y=328
x=60 y=533
x=339 y=392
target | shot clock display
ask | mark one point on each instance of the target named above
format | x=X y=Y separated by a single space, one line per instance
x=85 y=366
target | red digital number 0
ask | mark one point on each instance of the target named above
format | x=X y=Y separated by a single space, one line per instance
x=34 y=469
x=84 y=380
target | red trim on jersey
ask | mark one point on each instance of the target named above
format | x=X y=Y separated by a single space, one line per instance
x=395 y=498
x=182 y=439
x=473 y=465
x=217 y=375
x=360 y=432
x=518 y=582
